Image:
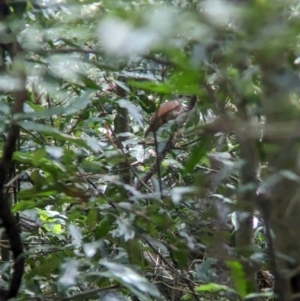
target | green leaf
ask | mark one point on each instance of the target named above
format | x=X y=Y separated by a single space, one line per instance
x=37 y=193
x=23 y=205
x=104 y=227
x=238 y=277
x=50 y=264
x=154 y=87
x=212 y=287
x=92 y=219
x=196 y=155
x=49 y=130
x=181 y=254
x=134 y=251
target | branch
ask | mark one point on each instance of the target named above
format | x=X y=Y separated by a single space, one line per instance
x=160 y=156
x=6 y=215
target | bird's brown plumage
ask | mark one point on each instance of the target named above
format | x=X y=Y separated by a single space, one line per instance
x=167 y=111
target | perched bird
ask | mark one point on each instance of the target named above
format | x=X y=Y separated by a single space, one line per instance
x=167 y=111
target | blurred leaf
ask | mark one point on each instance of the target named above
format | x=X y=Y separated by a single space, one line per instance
x=204 y=270
x=286 y=79
x=268 y=295
x=90 y=84
x=23 y=205
x=69 y=273
x=136 y=283
x=181 y=255
x=76 y=235
x=154 y=87
x=104 y=226
x=178 y=192
x=50 y=264
x=19 y=7
x=90 y=249
x=147 y=105
x=93 y=144
x=112 y=296
x=238 y=277
x=122 y=85
x=212 y=287
x=124 y=229
x=134 y=251
x=55 y=152
x=133 y=110
x=197 y=152
x=92 y=219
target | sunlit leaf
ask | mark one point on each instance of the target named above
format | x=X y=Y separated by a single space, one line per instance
x=212 y=287
x=238 y=277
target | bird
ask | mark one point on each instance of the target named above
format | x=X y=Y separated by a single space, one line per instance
x=167 y=111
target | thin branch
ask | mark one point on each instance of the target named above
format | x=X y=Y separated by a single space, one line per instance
x=159 y=159
x=188 y=281
x=79 y=295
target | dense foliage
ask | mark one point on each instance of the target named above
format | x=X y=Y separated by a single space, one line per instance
x=204 y=209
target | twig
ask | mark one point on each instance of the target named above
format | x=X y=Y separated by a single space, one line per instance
x=189 y=283
x=51 y=119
